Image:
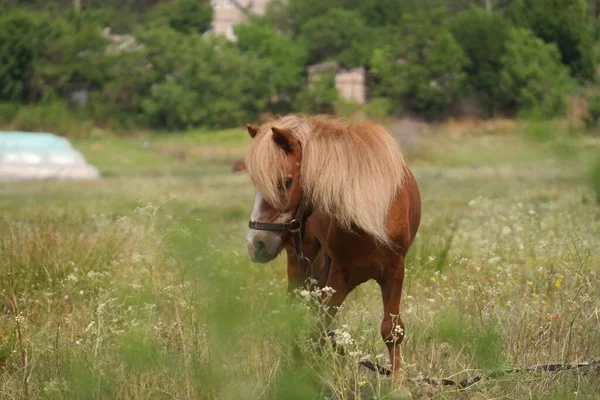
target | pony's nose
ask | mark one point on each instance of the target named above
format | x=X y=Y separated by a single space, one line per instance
x=263 y=246
x=259 y=245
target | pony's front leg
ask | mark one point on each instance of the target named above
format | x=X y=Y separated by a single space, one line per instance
x=392 y=327
x=334 y=293
x=295 y=273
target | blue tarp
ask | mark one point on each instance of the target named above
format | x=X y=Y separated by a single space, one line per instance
x=27 y=155
x=31 y=141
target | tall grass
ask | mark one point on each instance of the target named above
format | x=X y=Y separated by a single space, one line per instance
x=141 y=288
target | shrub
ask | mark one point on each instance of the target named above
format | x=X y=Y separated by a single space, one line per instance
x=54 y=117
x=346 y=109
x=7 y=112
x=221 y=88
x=379 y=107
x=563 y=22
x=338 y=34
x=425 y=72
x=184 y=16
x=482 y=36
x=283 y=56
x=19 y=47
x=532 y=75
x=593 y=112
x=320 y=96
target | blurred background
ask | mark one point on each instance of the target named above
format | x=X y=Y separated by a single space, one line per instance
x=131 y=279
x=79 y=67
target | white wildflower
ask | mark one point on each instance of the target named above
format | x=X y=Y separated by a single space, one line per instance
x=343 y=338
x=328 y=290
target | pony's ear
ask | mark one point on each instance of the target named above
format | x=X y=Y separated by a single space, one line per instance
x=252 y=130
x=285 y=140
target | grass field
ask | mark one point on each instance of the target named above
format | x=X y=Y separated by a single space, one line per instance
x=139 y=287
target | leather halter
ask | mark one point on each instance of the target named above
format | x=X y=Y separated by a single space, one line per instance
x=295 y=227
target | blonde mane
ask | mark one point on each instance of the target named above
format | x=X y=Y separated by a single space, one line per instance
x=352 y=172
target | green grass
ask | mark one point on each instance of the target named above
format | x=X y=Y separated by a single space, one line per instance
x=191 y=154
x=138 y=286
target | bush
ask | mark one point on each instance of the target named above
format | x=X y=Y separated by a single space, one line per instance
x=54 y=117
x=593 y=112
x=7 y=112
x=283 y=56
x=346 y=109
x=184 y=16
x=532 y=75
x=220 y=88
x=341 y=35
x=565 y=23
x=426 y=71
x=482 y=35
x=319 y=97
x=379 y=107
x=19 y=47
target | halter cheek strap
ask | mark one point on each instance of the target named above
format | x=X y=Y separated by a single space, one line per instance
x=295 y=227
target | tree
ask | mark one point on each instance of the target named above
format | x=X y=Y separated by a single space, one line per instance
x=19 y=47
x=338 y=34
x=425 y=70
x=201 y=82
x=563 y=22
x=284 y=56
x=533 y=77
x=185 y=16
x=482 y=36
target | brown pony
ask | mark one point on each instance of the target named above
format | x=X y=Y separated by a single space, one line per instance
x=343 y=195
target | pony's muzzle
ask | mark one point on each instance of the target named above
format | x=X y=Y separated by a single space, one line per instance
x=263 y=246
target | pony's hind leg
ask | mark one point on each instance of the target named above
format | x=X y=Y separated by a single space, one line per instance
x=392 y=327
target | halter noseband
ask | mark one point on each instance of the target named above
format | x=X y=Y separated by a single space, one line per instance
x=295 y=227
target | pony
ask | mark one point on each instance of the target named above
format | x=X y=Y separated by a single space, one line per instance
x=339 y=196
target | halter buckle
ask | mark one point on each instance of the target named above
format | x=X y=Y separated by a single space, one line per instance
x=294 y=225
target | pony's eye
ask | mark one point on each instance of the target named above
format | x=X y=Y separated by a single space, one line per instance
x=286 y=184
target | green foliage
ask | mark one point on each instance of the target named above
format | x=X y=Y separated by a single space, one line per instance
x=593 y=112
x=338 y=34
x=7 y=112
x=379 y=107
x=425 y=70
x=425 y=57
x=41 y=56
x=73 y=58
x=563 y=22
x=482 y=35
x=185 y=16
x=347 y=109
x=532 y=75
x=129 y=77
x=318 y=97
x=218 y=89
x=54 y=116
x=19 y=47
x=376 y=13
x=282 y=55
